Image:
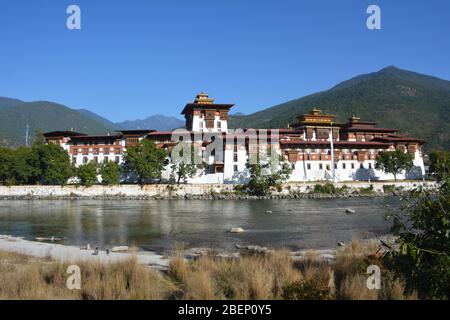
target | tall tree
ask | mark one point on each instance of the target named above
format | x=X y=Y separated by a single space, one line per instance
x=25 y=168
x=440 y=164
x=186 y=167
x=394 y=162
x=110 y=172
x=53 y=163
x=264 y=175
x=145 y=162
x=6 y=163
x=87 y=173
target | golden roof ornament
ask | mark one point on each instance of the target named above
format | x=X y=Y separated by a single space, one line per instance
x=203 y=98
x=315 y=111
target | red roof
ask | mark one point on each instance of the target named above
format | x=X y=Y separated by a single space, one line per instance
x=191 y=106
x=367 y=129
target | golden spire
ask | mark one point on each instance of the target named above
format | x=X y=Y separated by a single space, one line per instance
x=203 y=98
x=315 y=111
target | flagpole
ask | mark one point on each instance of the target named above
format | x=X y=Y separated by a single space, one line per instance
x=332 y=155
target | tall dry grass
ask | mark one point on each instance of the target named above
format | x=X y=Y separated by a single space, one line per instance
x=350 y=275
x=252 y=277
x=23 y=277
x=273 y=275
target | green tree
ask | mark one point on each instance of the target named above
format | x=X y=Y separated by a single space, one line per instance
x=87 y=173
x=423 y=260
x=54 y=165
x=182 y=167
x=25 y=168
x=110 y=172
x=145 y=162
x=440 y=164
x=394 y=162
x=263 y=176
x=6 y=163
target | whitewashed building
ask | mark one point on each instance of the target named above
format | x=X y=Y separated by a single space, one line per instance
x=317 y=147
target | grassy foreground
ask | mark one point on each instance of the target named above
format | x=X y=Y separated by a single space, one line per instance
x=270 y=276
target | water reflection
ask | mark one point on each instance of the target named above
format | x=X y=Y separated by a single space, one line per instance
x=157 y=225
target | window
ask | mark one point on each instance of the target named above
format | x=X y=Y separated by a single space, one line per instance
x=85 y=160
x=308 y=166
x=117 y=159
x=96 y=159
x=343 y=166
x=320 y=166
x=235 y=157
x=353 y=166
x=293 y=166
x=219 y=124
x=361 y=166
x=235 y=168
x=235 y=148
x=370 y=166
x=74 y=160
x=335 y=165
x=105 y=159
x=328 y=167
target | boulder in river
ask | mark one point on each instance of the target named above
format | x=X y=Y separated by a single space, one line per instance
x=120 y=249
x=348 y=210
x=236 y=230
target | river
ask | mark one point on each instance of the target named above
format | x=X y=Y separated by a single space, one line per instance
x=158 y=224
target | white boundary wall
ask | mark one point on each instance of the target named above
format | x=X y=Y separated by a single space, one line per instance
x=164 y=190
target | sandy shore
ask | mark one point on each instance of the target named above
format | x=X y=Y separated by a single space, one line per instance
x=72 y=254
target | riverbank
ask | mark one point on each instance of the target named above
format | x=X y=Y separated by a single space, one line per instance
x=210 y=191
x=72 y=254
x=257 y=274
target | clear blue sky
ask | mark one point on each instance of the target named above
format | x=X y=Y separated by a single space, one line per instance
x=135 y=58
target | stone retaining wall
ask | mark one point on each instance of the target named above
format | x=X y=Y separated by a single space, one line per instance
x=177 y=191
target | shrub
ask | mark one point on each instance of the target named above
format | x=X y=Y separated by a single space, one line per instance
x=327 y=188
x=423 y=260
x=388 y=188
x=305 y=290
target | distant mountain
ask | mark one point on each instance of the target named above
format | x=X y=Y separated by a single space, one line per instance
x=156 y=122
x=417 y=104
x=8 y=102
x=98 y=118
x=44 y=116
x=48 y=116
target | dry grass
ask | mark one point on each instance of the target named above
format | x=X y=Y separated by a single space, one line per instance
x=252 y=277
x=22 y=277
x=267 y=276
x=350 y=275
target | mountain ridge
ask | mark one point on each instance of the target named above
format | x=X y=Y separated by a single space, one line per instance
x=391 y=96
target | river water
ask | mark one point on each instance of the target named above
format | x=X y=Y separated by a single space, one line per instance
x=159 y=224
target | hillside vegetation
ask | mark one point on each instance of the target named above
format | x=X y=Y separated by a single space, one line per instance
x=417 y=104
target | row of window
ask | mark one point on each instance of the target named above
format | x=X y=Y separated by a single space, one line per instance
x=97 y=151
x=210 y=124
x=94 y=143
x=96 y=160
x=344 y=166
